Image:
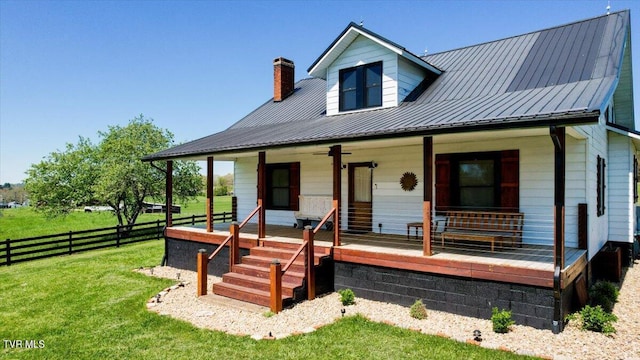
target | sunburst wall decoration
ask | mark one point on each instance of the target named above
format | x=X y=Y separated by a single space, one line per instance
x=408 y=181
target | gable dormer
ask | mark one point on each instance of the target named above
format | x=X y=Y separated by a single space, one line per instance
x=365 y=71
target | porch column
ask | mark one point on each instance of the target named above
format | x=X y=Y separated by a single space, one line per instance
x=169 y=194
x=336 y=152
x=427 y=167
x=262 y=183
x=558 y=136
x=210 y=194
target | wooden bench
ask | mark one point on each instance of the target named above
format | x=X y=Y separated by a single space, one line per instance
x=312 y=208
x=484 y=226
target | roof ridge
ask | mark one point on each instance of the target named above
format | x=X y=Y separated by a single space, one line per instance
x=524 y=34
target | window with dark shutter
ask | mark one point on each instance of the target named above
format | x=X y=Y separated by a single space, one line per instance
x=600 y=196
x=283 y=186
x=478 y=181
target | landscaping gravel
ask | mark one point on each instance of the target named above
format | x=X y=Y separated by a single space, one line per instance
x=180 y=302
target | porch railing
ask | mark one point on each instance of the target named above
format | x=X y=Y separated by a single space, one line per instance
x=233 y=241
x=277 y=271
x=402 y=226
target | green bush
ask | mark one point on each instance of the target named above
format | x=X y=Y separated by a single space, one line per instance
x=604 y=294
x=347 y=297
x=595 y=318
x=501 y=320
x=418 y=310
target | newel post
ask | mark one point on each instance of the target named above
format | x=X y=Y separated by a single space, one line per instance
x=202 y=262
x=310 y=263
x=234 y=248
x=275 y=277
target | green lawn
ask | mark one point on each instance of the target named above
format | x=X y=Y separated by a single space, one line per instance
x=92 y=306
x=26 y=222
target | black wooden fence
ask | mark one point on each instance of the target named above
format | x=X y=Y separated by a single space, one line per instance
x=39 y=247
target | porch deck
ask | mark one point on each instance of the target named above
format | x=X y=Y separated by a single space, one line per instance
x=529 y=264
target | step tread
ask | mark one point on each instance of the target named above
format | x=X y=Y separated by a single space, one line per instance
x=266 y=270
x=285 y=284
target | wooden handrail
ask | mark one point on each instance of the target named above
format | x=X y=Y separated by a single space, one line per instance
x=295 y=255
x=253 y=213
x=222 y=244
x=324 y=220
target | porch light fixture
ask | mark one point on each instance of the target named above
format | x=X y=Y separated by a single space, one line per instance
x=477 y=336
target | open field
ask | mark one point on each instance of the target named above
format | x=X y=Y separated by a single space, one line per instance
x=26 y=222
x=92 y=305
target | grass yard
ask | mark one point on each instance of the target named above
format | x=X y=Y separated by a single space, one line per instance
x=26 y=222
x=92 y=306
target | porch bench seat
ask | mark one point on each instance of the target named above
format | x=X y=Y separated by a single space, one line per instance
x=312 y=209
x=483 y=226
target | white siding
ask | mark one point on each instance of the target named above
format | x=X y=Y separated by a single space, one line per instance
x=598 y=225
x=409 y=77
x=620 y=185
x=364 y=51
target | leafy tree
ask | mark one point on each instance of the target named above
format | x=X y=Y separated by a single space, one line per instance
x=110 y=172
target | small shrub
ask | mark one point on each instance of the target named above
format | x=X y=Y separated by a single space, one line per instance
x=501 y=320
x=347 y=297
x=268 y=314
x=418 y=310
x=604 y=294
x=594 y=318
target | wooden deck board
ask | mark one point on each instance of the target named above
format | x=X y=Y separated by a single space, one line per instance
x=529 y=264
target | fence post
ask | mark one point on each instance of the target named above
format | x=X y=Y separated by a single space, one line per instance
x=193 y=220
x=202 y=262
x=275 y=277
x=70 y=242
x=8 y=251
x=118 y=235
x=158 y=232
x=310 y=263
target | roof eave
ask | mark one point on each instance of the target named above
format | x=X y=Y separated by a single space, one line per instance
x=522 y=122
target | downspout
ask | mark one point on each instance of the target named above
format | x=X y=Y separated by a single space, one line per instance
x=164 y=229
x=558 y=138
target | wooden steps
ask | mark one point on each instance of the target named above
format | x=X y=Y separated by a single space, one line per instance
x=249 y=280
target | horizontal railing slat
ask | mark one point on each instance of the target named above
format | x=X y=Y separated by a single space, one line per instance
x=26 y=249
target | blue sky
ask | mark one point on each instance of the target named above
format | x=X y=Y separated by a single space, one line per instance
x=70 y=69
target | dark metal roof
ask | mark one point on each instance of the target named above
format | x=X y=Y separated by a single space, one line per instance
x=534 y=79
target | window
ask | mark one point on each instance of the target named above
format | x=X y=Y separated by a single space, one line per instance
x=478 y=181
x=601 y=186
x=283 y=186
x=361 y=87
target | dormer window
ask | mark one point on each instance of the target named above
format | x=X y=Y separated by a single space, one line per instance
x=361 y=87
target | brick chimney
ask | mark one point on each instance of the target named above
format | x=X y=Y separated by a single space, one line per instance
x=283 y=78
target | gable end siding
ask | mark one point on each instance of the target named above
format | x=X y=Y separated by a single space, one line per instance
x=363 y=51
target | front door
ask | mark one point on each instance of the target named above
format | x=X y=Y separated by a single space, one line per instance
x=360 y=178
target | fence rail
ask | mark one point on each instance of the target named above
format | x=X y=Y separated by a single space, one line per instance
x=14 y=251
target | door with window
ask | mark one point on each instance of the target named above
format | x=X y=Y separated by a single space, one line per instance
x=360 y=197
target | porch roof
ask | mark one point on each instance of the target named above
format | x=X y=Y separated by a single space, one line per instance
x=561 y=76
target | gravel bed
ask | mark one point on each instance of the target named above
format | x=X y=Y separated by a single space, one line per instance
x=180 y=302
